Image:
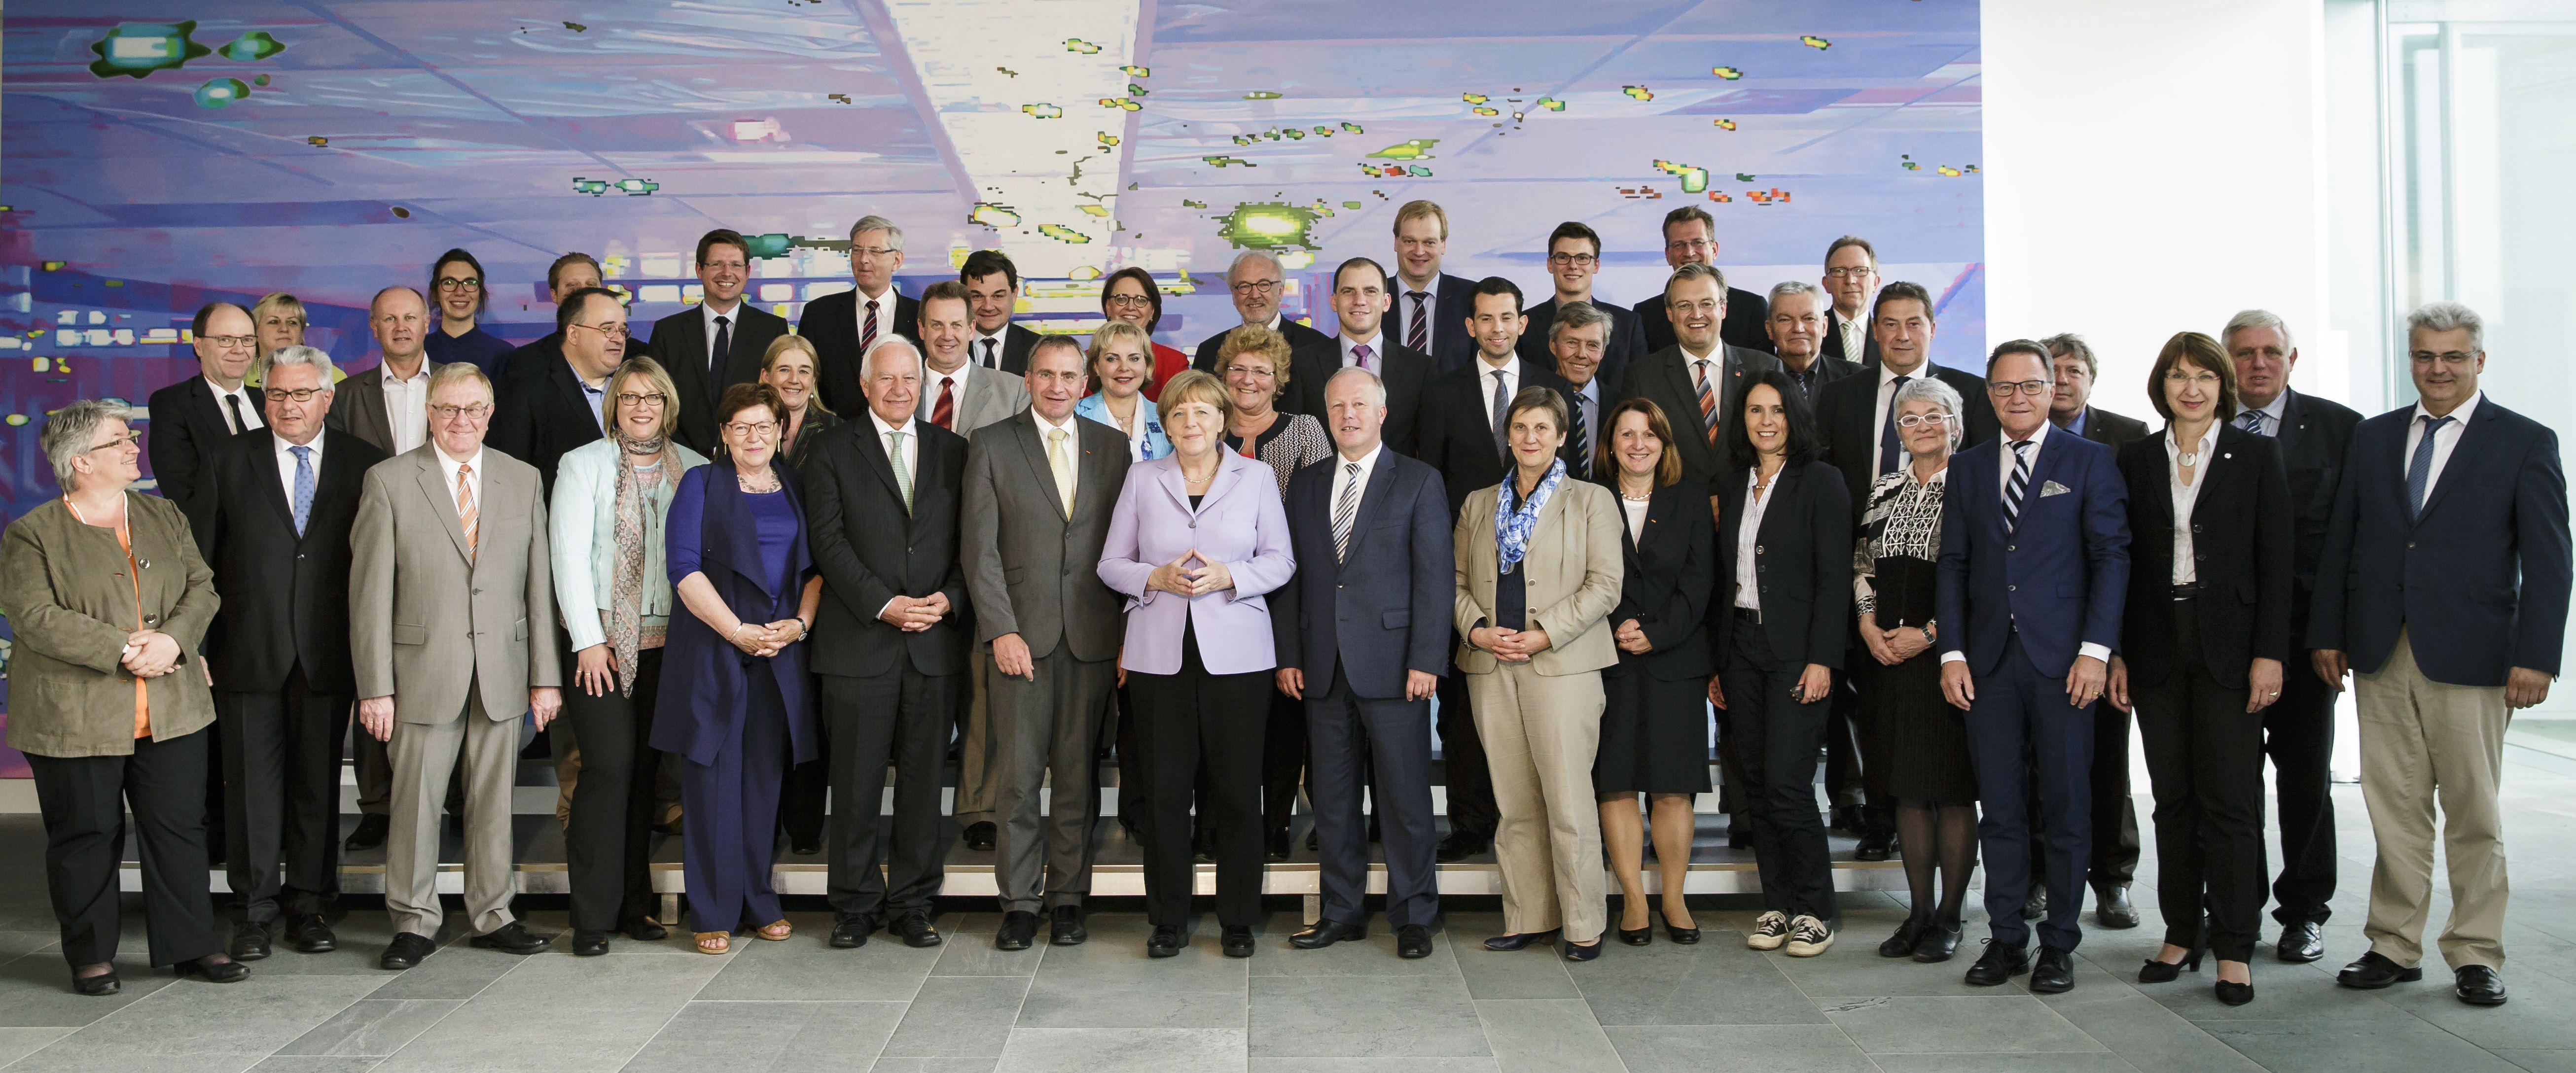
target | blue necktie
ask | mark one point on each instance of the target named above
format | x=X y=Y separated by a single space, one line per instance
x=303 y=487
x=2419 y=470
x=1889 y=448
x=2020 y=483
x=2252 y=421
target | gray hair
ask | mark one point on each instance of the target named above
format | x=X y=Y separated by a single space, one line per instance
x=868 y=360
x=1249 y=256
x=1785 y=288
x=302 y=355
x=2070 y=343
x=67 y=433
x=1578 y=315
x=2250 y=319
x=1930 y=389
x=1695 y=270
x=448 y=374
x=2448 y=316
x=1377 y=387
x=873 y=222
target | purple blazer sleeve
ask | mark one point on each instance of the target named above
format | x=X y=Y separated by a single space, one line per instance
x=1272 y=562
x=1121 y=565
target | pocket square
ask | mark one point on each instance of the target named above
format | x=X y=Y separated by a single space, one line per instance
x=2053 y=488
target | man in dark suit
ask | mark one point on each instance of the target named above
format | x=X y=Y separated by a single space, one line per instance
x=1360 y=301
x=1363 y=644
x=550 y=408
x=2033 y=575
x=717 y=344
x=1855 y=413
x=570 y=272
x=1462 y=436
x=2070 y=404
x=1690 y=238
x=276 y=533
x=992 y=293
x=1573 y=259
x=1851 y=278
x=1258 y=283
x=1430 y=305
x=2443 y=586
x=2298 y=729
x=882 y=494
x=1697 y=381
x=843 y=326
x=1797 y=327
x=1575 y=340
x=191 y=417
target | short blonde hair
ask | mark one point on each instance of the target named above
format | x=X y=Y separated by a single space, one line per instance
x=1415 y=210
x=1189 y=386
x=1257 y=339
x=1119 y=331
x=783 y=344
x=454 y=371
x=659 y=378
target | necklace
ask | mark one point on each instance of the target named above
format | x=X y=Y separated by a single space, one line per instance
x=743 y=481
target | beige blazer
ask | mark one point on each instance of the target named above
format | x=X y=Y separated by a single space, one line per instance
x=64 y=591
x=424 y=619
x=1575 y=572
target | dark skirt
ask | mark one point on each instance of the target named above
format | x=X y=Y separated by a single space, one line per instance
x=1914 y=745
x=1654 y=735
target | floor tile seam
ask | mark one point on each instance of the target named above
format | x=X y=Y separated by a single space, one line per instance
x=1599 y=1030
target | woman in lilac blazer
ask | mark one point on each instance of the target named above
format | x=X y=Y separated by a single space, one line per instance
x=1196 y=542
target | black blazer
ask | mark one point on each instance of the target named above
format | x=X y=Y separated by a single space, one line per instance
x=1847 y=415
x=1457 y=430
x=2240 y=543
x=1624 y=347
x=2313 y=435
x=1745 y=324
x=1299 y=336
x=1664 y=378
x=1453 y=344
x=286 y=598
x=1386 y=609
x=2110 y=429
x=1407 y=376
x=1672 y=569
x=550 y=348
x=831 y=323
x=1802 y=565
x=186 y=427
x=1826 y=370
x=680 y=344
x=1833 y=347
x=870 y=552
x=542 y=413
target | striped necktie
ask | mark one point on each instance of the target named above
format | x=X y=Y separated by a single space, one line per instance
x=1345 y=511
x=902 y=475
x=1707 y=402
x=1417 y=334
x=467 y=514
x=2019 y=483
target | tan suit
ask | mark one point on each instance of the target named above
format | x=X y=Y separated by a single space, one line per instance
x=457 y=640
x=1540 y=721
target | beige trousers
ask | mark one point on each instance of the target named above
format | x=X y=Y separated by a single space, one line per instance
x=423 y=755
x=2424 y=742
x=1539 y=734
x=978 y=776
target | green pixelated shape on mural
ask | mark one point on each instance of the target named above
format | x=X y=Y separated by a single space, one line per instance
x=136 y=49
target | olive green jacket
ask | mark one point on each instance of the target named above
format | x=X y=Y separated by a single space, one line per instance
x=64 y=591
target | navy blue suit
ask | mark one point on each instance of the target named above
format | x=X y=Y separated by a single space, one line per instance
x=1358 y=626
x=2018 y=604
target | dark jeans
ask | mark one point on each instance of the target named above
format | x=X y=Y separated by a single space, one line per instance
x=1776 y=741
x=2298 y=733
x=904 y=718
x=2020 y=719
x=609 y=842
x=2205 y=758
x=1184 y=722
x=83 y=800
x=282 y=797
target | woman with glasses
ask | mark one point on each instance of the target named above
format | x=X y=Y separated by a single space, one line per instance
x=610 y=499
x=109 y=600
x=1129 y=294
x=456 y=285
x=740 y=708
x=788 y=365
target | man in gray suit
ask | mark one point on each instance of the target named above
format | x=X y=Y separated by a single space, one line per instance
x=1039 y=488
x=452 y=629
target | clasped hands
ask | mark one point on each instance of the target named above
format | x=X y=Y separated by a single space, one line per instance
x=1180 y=578
x=911 y=614
x=1891 y=647
x=1510 y=645
x=149 y=653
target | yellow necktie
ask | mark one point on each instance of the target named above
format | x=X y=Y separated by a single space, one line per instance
x=1061 y=461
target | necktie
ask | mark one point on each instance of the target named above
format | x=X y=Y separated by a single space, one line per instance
x=902 y=473
x=944 y=413
x=2419 y=470
x=1061 y=461
x=1707 y=402
x=303 y=487
x=868 y=331
x=1889 y=447
x=1502 y=409
x=988 y=354
x=2019 y=483
x=233 y=403
x=1580 y=436
x=1418 y=334
x=716 y=360
x=1346 y=508
x=2251 y=421
x=467 y=515
x=1361 y=353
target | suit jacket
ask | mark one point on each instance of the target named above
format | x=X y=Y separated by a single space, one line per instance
x=1572 y=584
x=358 y=406
x=1802 y=565
x=2112 y=430
x=64 y=588
x=831 y=323
x=2478 y=579
x=290 y=594
x=1833 y=348
x=870 y=551
x=187 y=429
x=548 y=349
x=1031 y=568
x=1238 y=522
x=1665 y=379
x=542 y=414
x=1847 y=418
x=1406 y=373
x=706 y=681
x=989 y=397
x=2312 y=436
x=1826 y=370
x=1745 y=325
x=2240 y=543
x=429 y=618
x=1670 y=578
x=1299 y=337
x=1625 y=345
x=1382 y=611
x=1457 y=432
x=1016 y=344
x=680 y=344
x=2067 y=590
x=1453 y=347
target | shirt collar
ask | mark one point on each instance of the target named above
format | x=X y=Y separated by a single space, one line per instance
x=1367 y=462
x=882 y=300
x=284 y=447
x=2208 y=437
x=1716 y=352
x=733 y=317
x=883 y=428
x=385 y=369
x=1887 y=375
x=2462 y=414
x=2280 y=405
x=932 y=376
x=2076 y=427
x=1430 y=290
x=450 y=462
x=2038 y=440
x=242 y=390
x=1375 y=343
x=1045 y=426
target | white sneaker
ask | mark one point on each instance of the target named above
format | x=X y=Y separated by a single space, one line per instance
x=1808 y=937
x=1769 y=931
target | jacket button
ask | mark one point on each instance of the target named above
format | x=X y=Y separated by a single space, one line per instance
x=2410 y=545
x=2009 y=547
x=2012 y=588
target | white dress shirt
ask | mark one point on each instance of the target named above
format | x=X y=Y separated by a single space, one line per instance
x=447 y=464
x=286 y=464
x=708 y=313
x=249 y=407
x=1887 y=398
x=907 y=459
x=407 y=407
x=885 y=313
x=1748 y=536
x=1072 y=443
x=2186 y=569
x=1342 y=479
x=932 y=380
x=1635 y=509
x=1855 y=333
x=2444 y=442
x=1431 y=327
x=1377 y=352
x=2029 y=497
x=1485 y=373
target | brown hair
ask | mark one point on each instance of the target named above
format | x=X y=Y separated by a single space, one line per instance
x=1145 y=279
x=1415 y=210
x=1192 y=385
x=2201 y=351
x=1257 y=339
x=1667 y=470
x=1539 y=398
x=654 y=375
x=554 y=272
x=722 y=236
x=946 y=290
x=742 y=397
x=802 y=345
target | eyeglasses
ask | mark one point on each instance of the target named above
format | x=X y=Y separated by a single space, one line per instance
x=1918 y=420
x=2199 y=380
x=1252 y=370
x=232 y=342
x=613 y=331
x=1687 y=245
x=1579 y=260
x=451 y=283
x=1851 y=272
x=2032 y=388
x=1129 y=301
x=873 y=251
x=302 y=394
x=476 y=412
x=629 y=398
x=758 y=430
x=724 y=266
x=1256 y=286
x=129 y=439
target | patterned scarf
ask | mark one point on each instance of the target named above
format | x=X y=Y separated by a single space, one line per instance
x=1512 y=526
x=636 y=503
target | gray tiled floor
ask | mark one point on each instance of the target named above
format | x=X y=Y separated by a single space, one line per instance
x=1352 y=1009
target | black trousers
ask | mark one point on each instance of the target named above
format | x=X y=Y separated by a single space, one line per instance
x=609 y=843
x=83 y=800
x=2205 y=757
x=1284 y=762
x=1184 y=722
x=1776 y=741
x=1347 y=731
x=2114 y=859
x=1469 y=783
x=281 y=762
x=801 y=801
x=2298 y=733
x=904 y=718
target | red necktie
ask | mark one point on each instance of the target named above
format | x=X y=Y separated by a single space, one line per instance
x=945 y=412
x=868 y=331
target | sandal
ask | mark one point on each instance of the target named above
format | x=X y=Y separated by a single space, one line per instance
x=715 y=942
x=775 y=931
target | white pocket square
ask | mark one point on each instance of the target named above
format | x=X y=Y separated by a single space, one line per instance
x=2053 y=488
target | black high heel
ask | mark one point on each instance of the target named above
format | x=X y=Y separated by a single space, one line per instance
x=1637 y=936
x=1681 y=935
x=2235 y=994
x=2165 y=972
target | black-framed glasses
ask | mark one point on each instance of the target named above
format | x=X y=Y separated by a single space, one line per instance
x=451 y=283
x=1579 y=260
x=476 y=412
x=1256 y=286
x=1851 y=272
x=649 y=398
x=2006 y=390
x=1130 y=301
x=302 y=394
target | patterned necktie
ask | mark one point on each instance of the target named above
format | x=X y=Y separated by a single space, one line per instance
x=1361 y=353
x=1061 y=461
x=2251 y=421
x=1890 y=448
x=1346 y=509
x=1707 y=402
x=868 y=331
x=467 y=514
x=1418 y=334
x=233 y=403
x=1502 y=408
x=944 y=412
x=2019 y=483
x=303 y=487
x=902 y=473
x=2419 y=470
x=1580 y=436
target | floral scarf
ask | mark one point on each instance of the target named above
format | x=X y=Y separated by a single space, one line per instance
x=1512 y=526
x=636 y=507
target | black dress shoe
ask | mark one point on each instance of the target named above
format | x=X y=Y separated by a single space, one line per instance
x=1583 y=951
x=369 y=834
x=2235 y=994
x=915 y=929
x=1998 y=965
x=2112 y=908
x=1019 y=931
x=1413 y=942
x=644 y=929
x=2053 y=973
x=2035 y=905
x=1065 y=926
x=2478 y=985
x=1277 y=844
x=851 y=932
x=1237 y=942
x=2161 y=972
x=311 y=935
x=590 y=944
x=510 y=938
x=229 y=971
x=1875 y=846
x=1459 y=847
x=1908 y=937
x=980 y=836
x=2373 y=971
x=1520 y=940
x=1637 y=936
x=1846 y=818
x=406 y=950
x=1167 y=941
x=2302 y=942
x=1683 y=936
x=250 y=941
x=1739 y=833
x=1323 y=933
x=98 y=985
x=1938 y=945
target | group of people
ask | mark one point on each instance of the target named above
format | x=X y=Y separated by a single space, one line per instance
x=797 y=560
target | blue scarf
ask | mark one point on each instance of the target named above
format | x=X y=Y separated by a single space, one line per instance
x=1512 y=525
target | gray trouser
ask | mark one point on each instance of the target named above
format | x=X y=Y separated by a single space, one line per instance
x=976 y=772
x=1051 y=722
x=423 y=755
